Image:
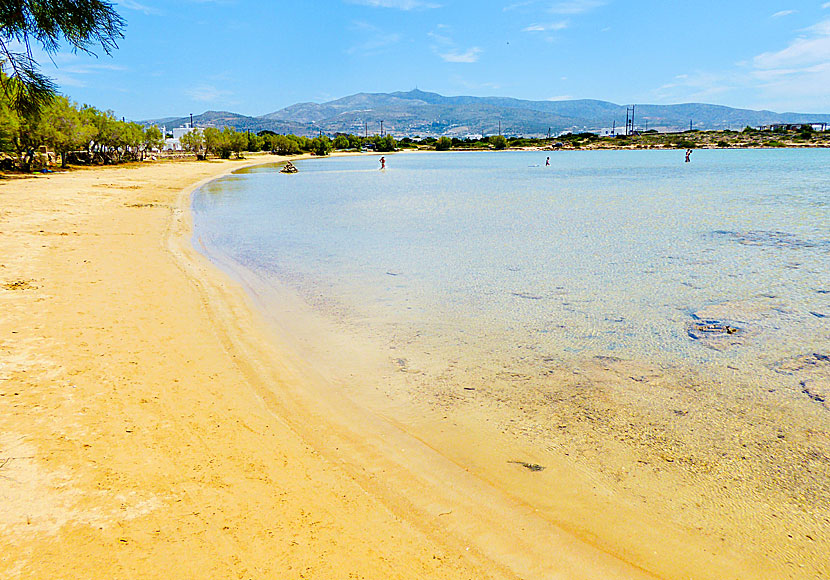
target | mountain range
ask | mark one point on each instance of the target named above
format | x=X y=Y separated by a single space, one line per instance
x=419 y=113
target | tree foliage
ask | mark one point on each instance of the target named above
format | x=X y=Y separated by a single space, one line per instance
x=443 y=144
x=498 y=141
x=83 y=25
x=80 y=133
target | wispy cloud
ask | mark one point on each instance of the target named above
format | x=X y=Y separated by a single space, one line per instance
x=793 y=78
x=376 y=40
x=376 y=45
x=699 y=86
x=549 y=27
x=446 y=49
x=517 y=5
x=826 y=5
x=397 y=4
x=783 y=13
x=799 y=72
x=576 y=6
x=133 y=5
x=810 y=49
x=207 y=93
x=470 y=55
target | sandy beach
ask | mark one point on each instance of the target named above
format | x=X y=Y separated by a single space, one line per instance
x=150 y=428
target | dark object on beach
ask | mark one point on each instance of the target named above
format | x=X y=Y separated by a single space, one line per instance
x=701 y=329
x=810 y=392
x=289 y=168
x=530 y=466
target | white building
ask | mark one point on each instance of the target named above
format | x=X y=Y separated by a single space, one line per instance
x=174 y=143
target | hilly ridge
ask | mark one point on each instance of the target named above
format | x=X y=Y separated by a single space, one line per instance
x=420 y=113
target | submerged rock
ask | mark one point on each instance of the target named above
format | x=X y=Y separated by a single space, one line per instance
x=714 y=334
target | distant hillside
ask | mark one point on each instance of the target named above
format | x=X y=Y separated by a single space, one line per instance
x=419 y=113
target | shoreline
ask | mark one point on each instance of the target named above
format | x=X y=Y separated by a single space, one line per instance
x=149 y=428
x=752 y=539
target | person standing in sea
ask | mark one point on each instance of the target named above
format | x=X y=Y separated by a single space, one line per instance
x=383 y=162
x=688 y=155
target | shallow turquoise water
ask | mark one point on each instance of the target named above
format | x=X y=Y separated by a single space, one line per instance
x=604 y=253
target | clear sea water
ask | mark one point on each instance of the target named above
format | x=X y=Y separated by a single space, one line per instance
x=604 y=253
x=659 y=330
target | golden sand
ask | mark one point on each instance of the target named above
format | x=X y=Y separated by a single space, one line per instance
x=150 y=429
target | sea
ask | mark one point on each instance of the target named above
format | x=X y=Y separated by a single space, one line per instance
x=621 y=308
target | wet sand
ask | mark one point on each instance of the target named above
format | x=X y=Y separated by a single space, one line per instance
x=152 y=426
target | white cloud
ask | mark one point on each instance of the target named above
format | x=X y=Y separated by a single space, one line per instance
x=207 y=93
x=805 y=51
x=133 y=5
x=551 y=26
x=470 y=55
x=516 y=5
x=799 y=73
x=446 y=48
x=374 y=45
x=794 y=78
x=398 y=4
x=826 y=5
x=576 y=6
x=695 y=87
x=783 y=13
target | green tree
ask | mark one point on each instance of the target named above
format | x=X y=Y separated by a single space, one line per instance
x=320 y=146
x=355 y=142
x=385 y=143
x=498 y=141
x=82 y=24
x=254 y=142
x=215 y=142
x=341 y=142
x=65 y=129
x=194 y=142
x=282 y=145
x=153 y=139
x=233 y=142
x=443 y=144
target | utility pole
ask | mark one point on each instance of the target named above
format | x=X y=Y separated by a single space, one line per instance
x=614 y=128
x=629 y=120
x=499 y=126
x=549 y=133
x=690 y=124
x=381 y=128
x=191 y=120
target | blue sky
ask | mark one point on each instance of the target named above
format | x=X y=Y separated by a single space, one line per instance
x=255 y=57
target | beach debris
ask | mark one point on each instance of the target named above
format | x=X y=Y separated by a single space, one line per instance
x=816 y=393
x=713 y=333
x=771 y=239
x=527 y=295
x=812 y=371
x=710 y=328
x=805 y=362
x=20 y=285
x=530 y=466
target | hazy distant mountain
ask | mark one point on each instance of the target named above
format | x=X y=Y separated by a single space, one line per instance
x=419 y=113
